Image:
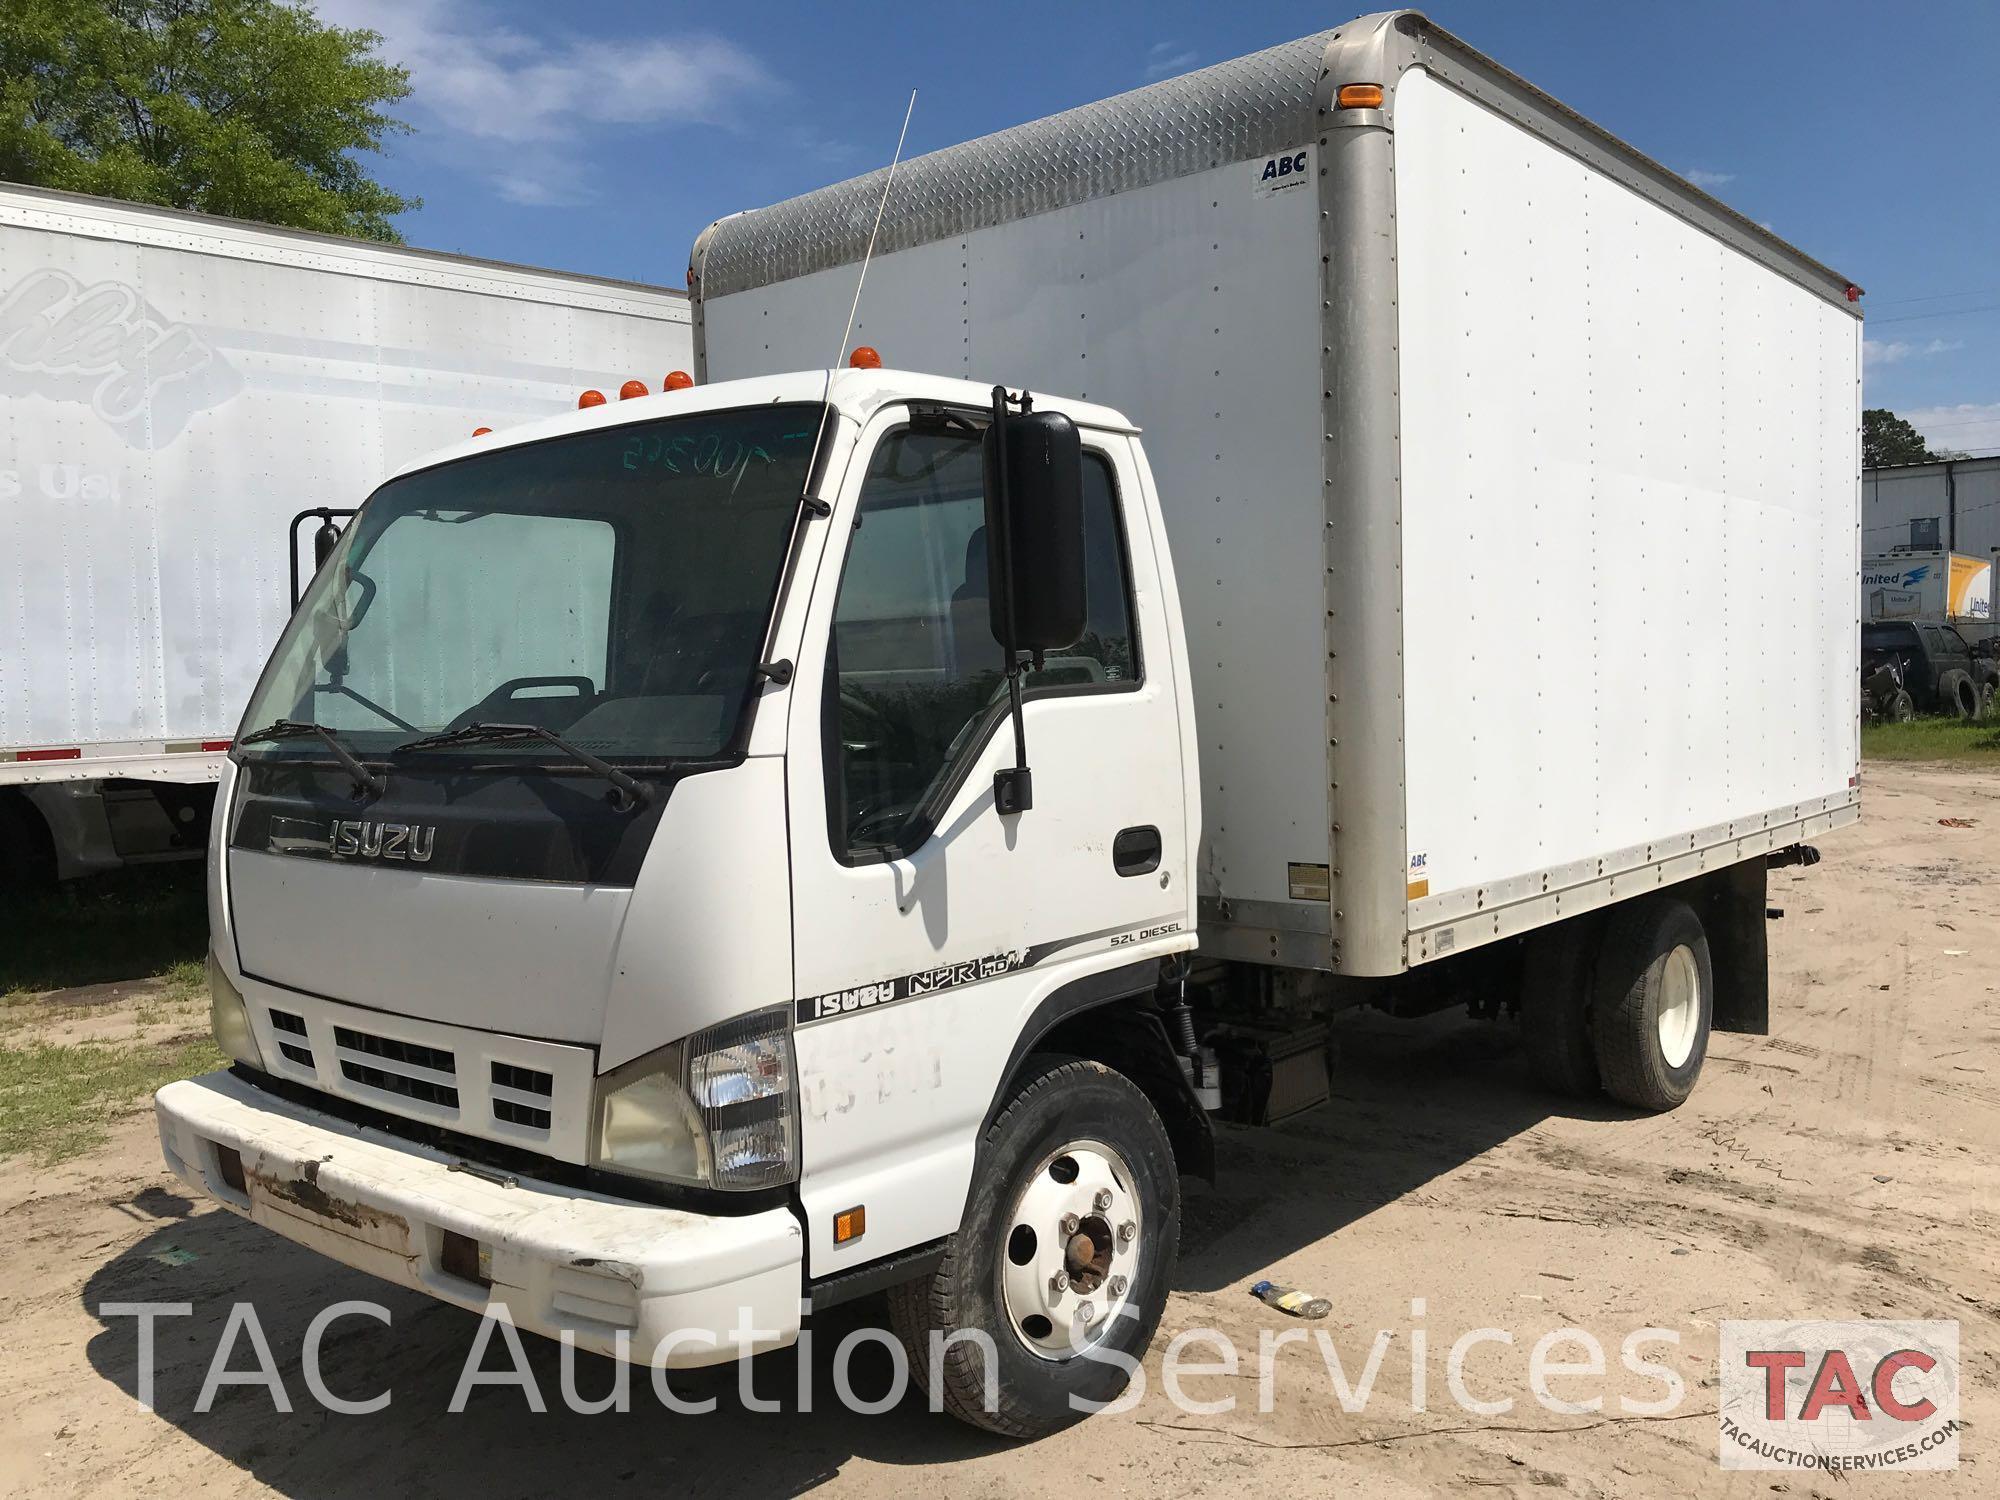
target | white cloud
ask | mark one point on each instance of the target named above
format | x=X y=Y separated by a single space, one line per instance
x=1967 y=428
x=523 y=110
x=1878 y=352
x=1164 y=59
x=1708 y=181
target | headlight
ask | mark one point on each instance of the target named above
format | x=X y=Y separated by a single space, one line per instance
x=229 y=1017
x=716 y=1110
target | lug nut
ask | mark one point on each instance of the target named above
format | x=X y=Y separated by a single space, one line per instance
x=1116 y=1286
x=1103 y=1199
x=1126 y=1231
x=1069 y=1223
x=1059 y=1283
x=1087 y=1311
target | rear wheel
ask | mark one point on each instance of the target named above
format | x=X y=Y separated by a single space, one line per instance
x=1555 y=1005
x=1957 y=695
x=1062 y=1259
x=1655 y=989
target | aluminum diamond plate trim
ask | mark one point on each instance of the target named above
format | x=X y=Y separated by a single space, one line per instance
x=1246 y=107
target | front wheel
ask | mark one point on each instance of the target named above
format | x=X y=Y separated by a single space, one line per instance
x=1655 y=1001
x=1051 y=1289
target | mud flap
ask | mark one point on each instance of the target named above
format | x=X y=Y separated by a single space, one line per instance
x=1732 y=912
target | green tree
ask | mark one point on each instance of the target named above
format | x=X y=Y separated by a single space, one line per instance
x=249 y=108
x=1887 y=439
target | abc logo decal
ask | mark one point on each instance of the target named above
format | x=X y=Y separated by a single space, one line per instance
x=1285 y=166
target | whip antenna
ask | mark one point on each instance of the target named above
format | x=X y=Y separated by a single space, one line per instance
x=813 y=504
x=889 y=181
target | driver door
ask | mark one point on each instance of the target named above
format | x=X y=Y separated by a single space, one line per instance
x=928 y=929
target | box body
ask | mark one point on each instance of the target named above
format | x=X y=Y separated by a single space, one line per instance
x=1512 y=482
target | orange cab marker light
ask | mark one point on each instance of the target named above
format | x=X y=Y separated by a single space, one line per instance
x=864 y=358
x=1359 y=96
x=481 y=431
x=850 y=1224
x=589 y=399
x=677 y=380
x=630 y=389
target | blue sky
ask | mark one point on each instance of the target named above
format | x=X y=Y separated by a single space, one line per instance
x=602 y=138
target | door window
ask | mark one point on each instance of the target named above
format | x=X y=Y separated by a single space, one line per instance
x=915 y=678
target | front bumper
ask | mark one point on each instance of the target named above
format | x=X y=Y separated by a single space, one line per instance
x=562 y=1260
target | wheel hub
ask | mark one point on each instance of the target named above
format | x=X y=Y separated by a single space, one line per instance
x=1680 y=1006
x=1073 y=1243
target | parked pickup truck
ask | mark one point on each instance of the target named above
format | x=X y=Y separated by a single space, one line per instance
x=887 y=811
x=1940 y=670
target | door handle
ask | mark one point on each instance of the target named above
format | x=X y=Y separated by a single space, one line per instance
x=1136 y=851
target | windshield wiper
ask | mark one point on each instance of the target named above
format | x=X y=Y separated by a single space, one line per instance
x=472 y=734
x=292 y=729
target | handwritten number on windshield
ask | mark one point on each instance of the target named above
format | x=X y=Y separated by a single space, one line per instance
x=712 y=455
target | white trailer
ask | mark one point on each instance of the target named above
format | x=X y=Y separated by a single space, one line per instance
x=174 y=388
x=915 y=803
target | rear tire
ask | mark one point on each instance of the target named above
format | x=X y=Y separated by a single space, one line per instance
x=1957 y=695
x=1655 y=1001
x=1073 y=1133
x=1555 y=1006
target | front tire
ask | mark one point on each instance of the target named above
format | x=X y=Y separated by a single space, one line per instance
x=1655 y=1002
x=1061 y=1264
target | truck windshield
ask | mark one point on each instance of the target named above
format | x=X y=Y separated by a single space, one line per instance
x=612 y=586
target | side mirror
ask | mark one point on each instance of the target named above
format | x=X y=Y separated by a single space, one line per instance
x=1039 y=513
x=323 y=542
x=325 y=539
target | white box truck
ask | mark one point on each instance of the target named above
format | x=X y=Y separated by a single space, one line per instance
x=909 y=806
x=1927 y=583
x=174 y=389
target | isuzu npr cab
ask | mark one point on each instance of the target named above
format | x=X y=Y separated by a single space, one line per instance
x=721 y=853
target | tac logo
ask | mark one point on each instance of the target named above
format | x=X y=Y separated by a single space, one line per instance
x=1839 y=1396
x=1279 y=171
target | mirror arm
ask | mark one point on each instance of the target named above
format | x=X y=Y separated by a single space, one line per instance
x=1013 y=787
